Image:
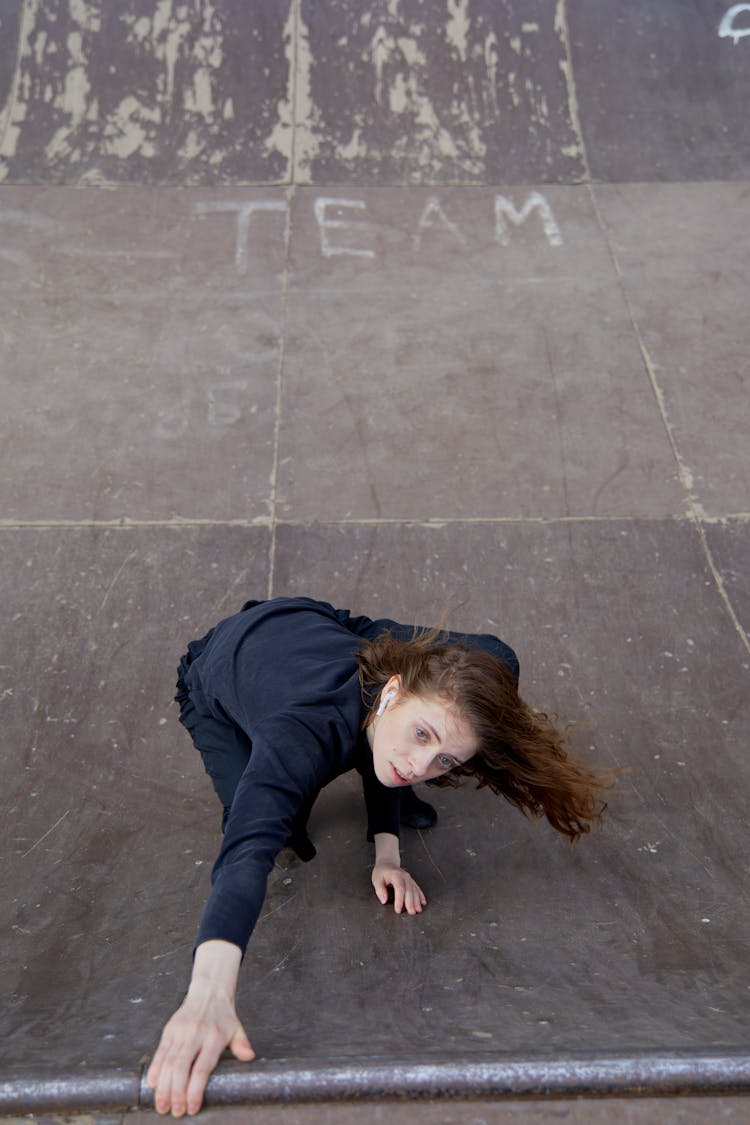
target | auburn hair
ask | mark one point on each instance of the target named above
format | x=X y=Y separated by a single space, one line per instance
x=521 y=754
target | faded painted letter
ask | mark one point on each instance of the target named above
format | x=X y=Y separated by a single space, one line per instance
x=727 y=30
x=321 y=214
x=506 y=209
x=432 y=216
x=244 y=212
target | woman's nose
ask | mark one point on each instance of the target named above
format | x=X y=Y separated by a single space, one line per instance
x=419 y=764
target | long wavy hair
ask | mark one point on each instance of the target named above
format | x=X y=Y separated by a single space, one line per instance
x=521 y=754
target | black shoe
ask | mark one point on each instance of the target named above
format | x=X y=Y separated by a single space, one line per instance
x=302 y=846
x=416 y=813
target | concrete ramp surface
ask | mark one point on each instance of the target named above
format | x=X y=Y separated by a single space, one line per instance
x=404 y=305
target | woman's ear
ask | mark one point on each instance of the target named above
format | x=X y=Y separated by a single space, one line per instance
x=385 y=699
x=394 y=685
x=389 y=692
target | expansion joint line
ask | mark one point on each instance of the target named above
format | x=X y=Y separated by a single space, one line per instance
x=693 y=509
x=279 y=389
x=294 y=20
x=563 y=30
x=294 y=63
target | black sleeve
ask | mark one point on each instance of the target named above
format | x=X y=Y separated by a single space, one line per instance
x=383 y=804
x=285 y=770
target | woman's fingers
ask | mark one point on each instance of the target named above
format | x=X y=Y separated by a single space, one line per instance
x=241 y=1047
x=171 y=1092
x=154 y=1070
x=185 y=1074
x=413 y=902
x=188 y=1052
x=201 y=1072
x=169 y=1070
x=381 y=888
x=407 y=895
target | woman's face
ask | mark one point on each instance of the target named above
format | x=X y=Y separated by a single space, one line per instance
x=417 y=737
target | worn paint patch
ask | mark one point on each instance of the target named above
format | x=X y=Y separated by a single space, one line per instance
x=297 y=127
x=439 y=90
x=177 y=91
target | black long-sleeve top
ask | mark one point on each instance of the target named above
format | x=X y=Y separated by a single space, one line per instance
x=285 y=673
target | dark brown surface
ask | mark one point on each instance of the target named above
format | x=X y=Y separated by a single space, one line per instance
x=729 y=542
x=633 y=940
x=520 y=399
x=661 y=94
x=104 y=801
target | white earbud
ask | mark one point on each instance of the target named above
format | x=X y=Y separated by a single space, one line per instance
x=384 y=702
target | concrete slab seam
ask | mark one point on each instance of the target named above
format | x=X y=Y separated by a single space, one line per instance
x=694 y=513
x=683 y=471
x=279 y=387
x=720 y=585
x=561 y=25
x=434 y=523
x=293 y=20
x=694 y=509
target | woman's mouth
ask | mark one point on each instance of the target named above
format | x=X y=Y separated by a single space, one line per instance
x=398 y=778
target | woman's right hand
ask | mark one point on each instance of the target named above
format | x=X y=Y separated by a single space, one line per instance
x=194 y=1038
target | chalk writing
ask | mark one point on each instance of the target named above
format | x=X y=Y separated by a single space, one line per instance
x=326 y=224
x=244 y=212
x=727 y=30
x=433 y=215
x=341 y=233
x=334 y=243
x=221 y=412
x=30 y=219
x=506 y=209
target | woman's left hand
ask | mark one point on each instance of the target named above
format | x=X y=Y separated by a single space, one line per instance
x=406 y=892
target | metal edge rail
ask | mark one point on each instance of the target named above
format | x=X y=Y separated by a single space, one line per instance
x=288 y=1081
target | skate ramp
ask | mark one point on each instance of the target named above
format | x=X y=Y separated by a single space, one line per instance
x=412 y=307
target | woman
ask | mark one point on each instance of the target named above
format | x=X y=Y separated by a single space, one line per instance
x=288 y=694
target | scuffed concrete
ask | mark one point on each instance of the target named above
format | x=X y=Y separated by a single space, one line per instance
x=456 y=91
x=204 y=92
x=186 y=92
x=211 y=92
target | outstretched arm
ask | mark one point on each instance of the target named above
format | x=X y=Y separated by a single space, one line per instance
x=198 y=1032
x=388 y=872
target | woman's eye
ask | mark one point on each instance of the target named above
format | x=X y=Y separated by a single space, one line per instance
x=446 y=763
x=422 y=734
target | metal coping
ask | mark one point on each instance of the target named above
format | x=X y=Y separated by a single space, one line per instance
x=289 y=1081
